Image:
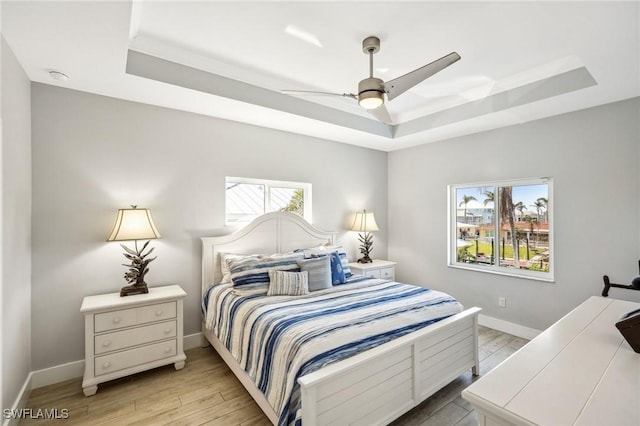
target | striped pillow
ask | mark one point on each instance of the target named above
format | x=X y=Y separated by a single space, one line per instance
x=283 y=283
x=345 y=263
x=250 y=273
x=319 y=270
x=225 y=260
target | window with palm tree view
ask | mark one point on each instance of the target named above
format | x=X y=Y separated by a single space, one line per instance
x=502 y=227
x=246 y=199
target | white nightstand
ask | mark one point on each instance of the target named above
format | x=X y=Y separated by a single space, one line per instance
x=126 y=335
x=378 y=269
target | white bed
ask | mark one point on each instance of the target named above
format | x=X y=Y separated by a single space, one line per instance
x=430 y=357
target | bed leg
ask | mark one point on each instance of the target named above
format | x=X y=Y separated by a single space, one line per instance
x=475 y=370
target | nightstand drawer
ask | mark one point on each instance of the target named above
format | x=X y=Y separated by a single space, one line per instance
x=136 y=336
x=121 y=360
x=128 y=317
x=375 y=273
x=386 y=273
x=158 y=312
x=115 y=319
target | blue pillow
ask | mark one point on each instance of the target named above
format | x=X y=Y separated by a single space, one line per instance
x=345 y=264
x=337 y=272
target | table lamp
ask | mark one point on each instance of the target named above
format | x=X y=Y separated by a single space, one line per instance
x=135 y=224
x=365 y=222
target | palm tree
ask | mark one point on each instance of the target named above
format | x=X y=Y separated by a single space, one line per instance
x=530 y=221
x=296 y=203
x=506 y=213
x=539 y=204
x=519 y=206
x=465 y=200
x=490 y=197
x=545 y=203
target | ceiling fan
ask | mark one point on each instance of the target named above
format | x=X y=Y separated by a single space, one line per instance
x=371 y=90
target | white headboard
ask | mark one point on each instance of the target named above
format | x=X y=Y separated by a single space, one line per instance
x=276 y=232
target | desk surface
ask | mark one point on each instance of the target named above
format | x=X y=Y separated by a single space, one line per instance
x=580 y=371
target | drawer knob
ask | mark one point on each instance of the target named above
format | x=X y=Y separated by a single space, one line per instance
x=106 y=343
x=159 y=312
x=106 y=365
x=167 y=330
x=167 y=350
x=116 y=320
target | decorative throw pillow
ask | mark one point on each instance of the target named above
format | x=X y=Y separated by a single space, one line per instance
x=249 y=273
x=283 y=283
x=345 y=263
x=226 y=258
x=337 y=272
x=327 y=249
x=319 y=270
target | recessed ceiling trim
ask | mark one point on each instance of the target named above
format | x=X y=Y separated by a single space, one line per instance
x=566 y=82
x=147 y=66
x=166 y=71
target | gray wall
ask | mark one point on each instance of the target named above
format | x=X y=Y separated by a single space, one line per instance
x=592 y=156
x=93 y=155
x=16 y=226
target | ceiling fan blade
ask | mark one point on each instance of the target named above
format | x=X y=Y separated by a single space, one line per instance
x=401 y=84
x=381 y=113
x=312 y=92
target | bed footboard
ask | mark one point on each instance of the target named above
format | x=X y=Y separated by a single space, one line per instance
x=378 y=386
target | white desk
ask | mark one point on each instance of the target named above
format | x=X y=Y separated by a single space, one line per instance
x=580 y=371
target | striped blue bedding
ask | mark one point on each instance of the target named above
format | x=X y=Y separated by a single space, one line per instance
x=277 y=339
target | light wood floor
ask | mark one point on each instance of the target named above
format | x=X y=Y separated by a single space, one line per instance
x=205 y=391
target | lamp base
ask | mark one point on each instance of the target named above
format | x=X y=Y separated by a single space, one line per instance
x=365 y=259
x=133 y=289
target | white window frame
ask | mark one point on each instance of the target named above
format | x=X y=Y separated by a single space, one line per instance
x=452 y=231
x=268 y=184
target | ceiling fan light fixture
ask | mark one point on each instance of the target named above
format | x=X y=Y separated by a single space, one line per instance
x=370 y=100
x=370 y=93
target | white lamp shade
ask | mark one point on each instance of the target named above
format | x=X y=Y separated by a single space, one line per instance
x=364 y=222
x=134 y=224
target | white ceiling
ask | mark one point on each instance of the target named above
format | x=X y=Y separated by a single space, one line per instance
x=520 y=60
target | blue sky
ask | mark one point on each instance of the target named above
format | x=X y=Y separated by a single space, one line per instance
x=528 y=194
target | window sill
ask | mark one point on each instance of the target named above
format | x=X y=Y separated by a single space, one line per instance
x=550 y=279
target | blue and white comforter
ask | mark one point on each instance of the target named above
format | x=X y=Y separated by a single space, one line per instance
x=277 y=339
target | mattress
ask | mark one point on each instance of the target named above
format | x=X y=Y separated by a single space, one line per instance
x=277 y=339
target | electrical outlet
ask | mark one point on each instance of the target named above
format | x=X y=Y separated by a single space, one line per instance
x=502 y=302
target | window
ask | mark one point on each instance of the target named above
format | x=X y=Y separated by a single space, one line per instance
x=246 y=199
x=502 y=227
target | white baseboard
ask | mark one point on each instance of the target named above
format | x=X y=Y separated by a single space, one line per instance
x=20 y=403
x=72 y=370
x=508 y=327
x=57 y=373
x=192 y=341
